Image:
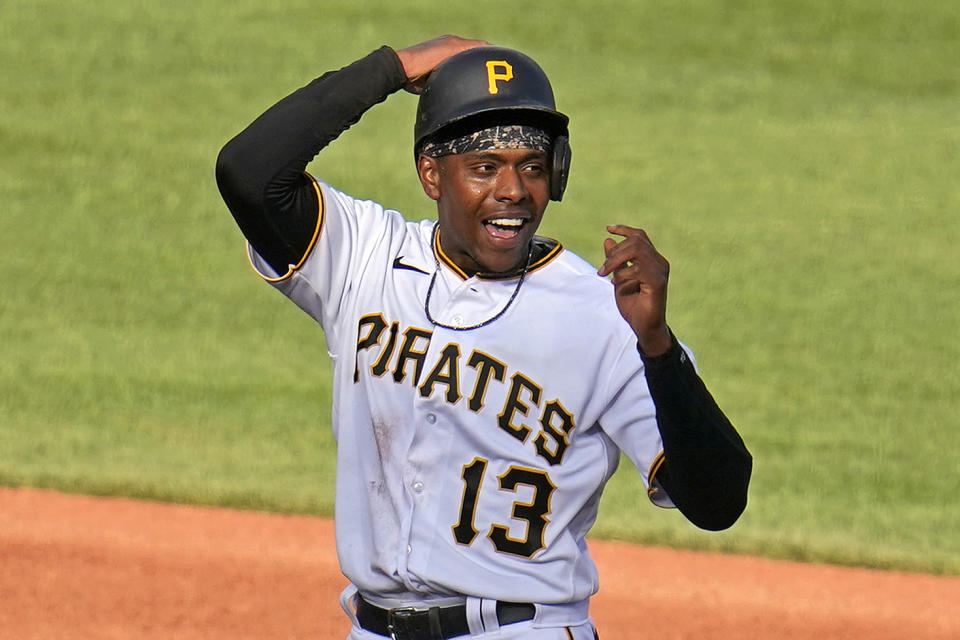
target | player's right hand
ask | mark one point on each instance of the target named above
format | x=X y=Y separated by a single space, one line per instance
x=420 y=59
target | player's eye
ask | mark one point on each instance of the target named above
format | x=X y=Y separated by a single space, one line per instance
x=534 y=168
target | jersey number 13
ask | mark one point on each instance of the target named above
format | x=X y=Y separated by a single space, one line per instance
x=535 y=512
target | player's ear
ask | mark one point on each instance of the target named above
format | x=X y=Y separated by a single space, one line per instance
x=429 y=170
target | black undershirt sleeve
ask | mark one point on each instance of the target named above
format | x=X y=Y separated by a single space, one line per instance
x=706 y=468
x=260 y=172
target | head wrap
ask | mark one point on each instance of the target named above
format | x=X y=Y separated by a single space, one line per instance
x=509 y=136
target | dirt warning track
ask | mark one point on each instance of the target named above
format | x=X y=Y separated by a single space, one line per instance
x=80 y=567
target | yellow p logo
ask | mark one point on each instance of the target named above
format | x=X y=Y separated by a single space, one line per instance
x=498 y=70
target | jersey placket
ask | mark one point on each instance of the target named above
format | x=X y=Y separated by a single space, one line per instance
x=423 y=471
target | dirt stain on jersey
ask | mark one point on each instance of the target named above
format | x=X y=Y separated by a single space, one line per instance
x=383 y=437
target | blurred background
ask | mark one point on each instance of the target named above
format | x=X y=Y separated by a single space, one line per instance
x=796 y=161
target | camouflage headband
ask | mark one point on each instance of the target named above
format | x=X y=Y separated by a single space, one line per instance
x=512 y=136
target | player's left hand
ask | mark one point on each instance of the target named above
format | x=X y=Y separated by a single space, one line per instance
x=640 y=277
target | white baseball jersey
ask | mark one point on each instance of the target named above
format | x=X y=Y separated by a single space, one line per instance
x=468 y=462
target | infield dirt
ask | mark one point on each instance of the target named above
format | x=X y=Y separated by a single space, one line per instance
x=81 y=567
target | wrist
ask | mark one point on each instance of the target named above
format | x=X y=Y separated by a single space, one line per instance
x=655 y=343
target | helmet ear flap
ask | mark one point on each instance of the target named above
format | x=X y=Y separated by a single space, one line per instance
x=559 y=167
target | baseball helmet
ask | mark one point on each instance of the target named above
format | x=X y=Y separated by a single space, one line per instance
x=493 y=85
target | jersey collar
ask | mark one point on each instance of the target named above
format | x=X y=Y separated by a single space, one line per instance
x=544 y=251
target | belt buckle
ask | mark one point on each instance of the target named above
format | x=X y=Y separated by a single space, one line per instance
x=400 y=623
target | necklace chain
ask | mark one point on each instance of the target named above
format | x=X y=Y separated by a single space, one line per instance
x=433 y=280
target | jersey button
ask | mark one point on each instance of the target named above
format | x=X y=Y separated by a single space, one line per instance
x=431 y=418
x=418 y=486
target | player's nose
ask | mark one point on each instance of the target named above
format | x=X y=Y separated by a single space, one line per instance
x=510 y=186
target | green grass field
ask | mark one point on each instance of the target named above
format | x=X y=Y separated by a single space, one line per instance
x=796 y=161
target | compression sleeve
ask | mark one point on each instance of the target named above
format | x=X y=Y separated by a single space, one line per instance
x=706 y=468
x=260 y=172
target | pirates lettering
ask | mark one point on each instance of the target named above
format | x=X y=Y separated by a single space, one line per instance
x=386 y=349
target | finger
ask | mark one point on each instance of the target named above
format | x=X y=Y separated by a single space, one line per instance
x=609 y=247
x=639 y=237
x=624 y=230
x=621 y=229
x=415 y=85
x=641 y=264
x=629 y=232
x=639 y=243
x=625 y=253
x=420 y=59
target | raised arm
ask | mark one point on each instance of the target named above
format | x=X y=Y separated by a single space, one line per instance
x=260 y=172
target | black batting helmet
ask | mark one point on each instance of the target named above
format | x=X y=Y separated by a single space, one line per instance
x=493 y=84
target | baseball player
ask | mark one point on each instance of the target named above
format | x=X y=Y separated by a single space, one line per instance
x=486 y=380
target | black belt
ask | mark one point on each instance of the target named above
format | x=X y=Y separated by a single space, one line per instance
x=436 y=623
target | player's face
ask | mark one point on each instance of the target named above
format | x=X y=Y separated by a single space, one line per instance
x=489 y=204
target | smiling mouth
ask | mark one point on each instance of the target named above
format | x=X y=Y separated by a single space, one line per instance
x=504 y=228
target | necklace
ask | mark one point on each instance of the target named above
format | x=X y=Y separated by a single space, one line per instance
x=433 y=280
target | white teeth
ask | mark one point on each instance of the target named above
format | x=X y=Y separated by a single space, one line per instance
x=506 y=222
